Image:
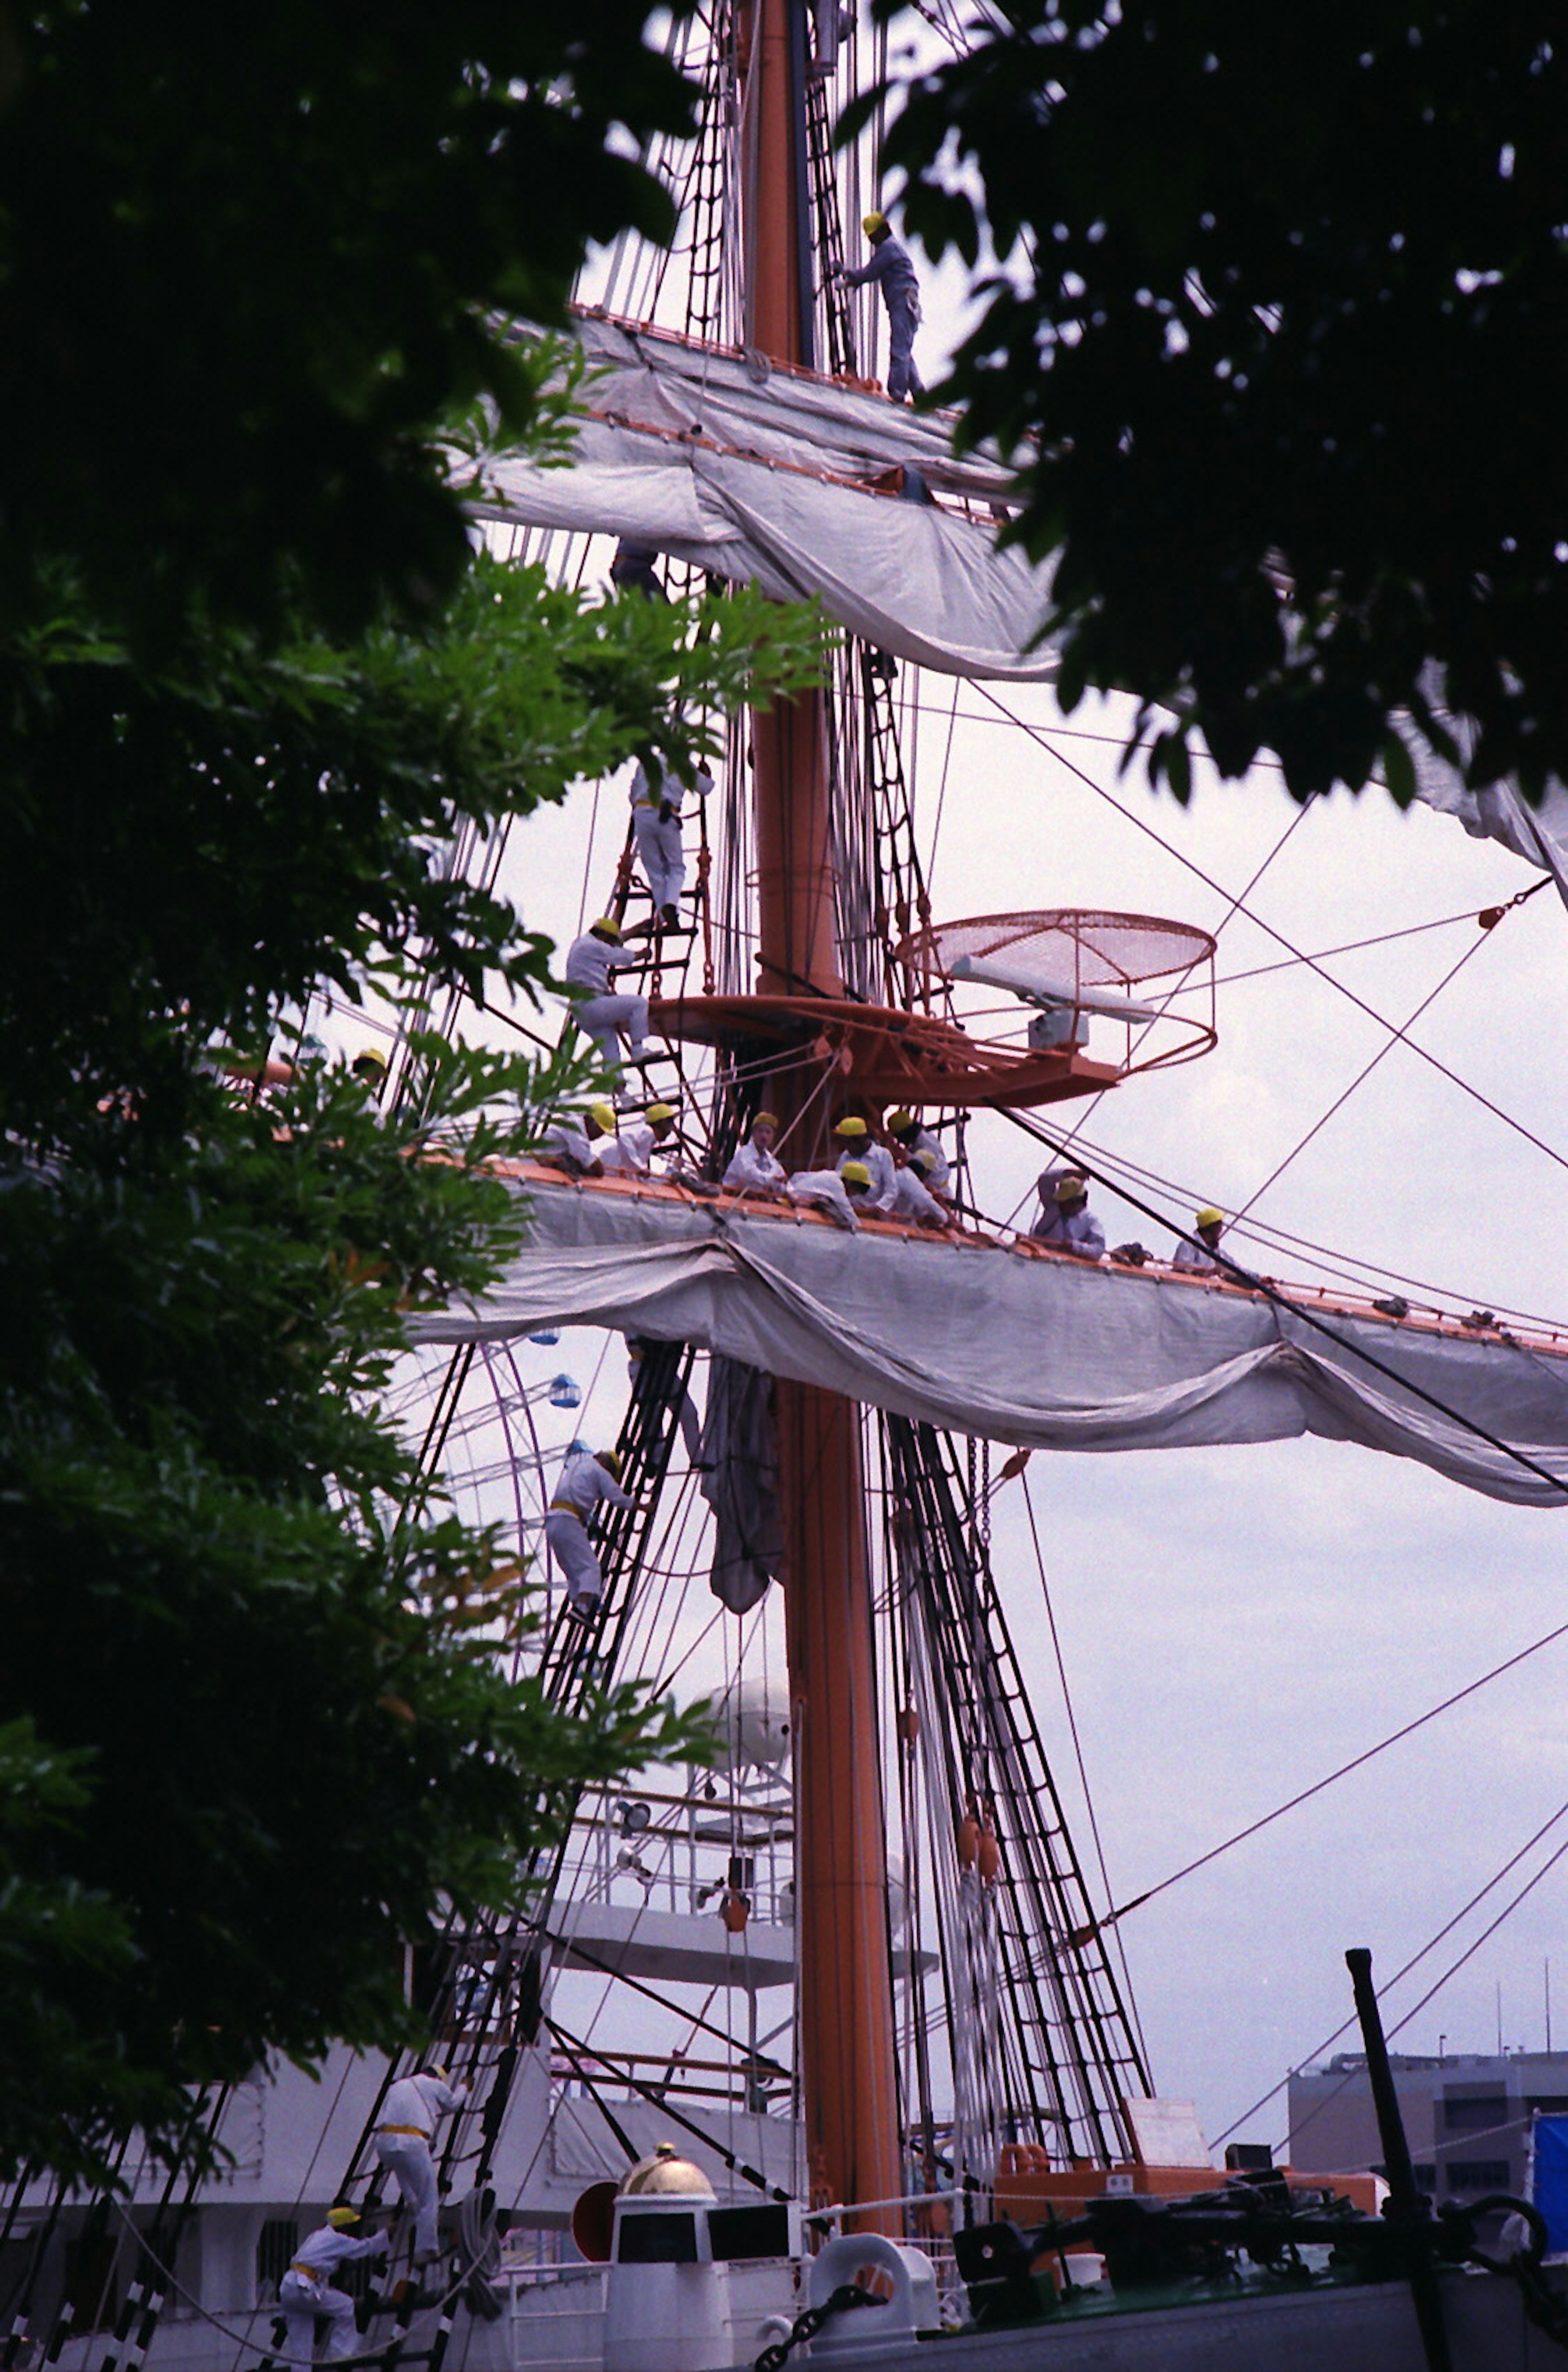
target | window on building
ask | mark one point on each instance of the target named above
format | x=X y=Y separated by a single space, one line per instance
x=1425 y=2177
x=274 y=2254
x=1474 y=2116
x=1478 y=2174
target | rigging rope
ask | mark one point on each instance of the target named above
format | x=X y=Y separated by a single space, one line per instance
x=1305 y=1795
x=1430 y=1946
x=1273 y=1294
x=1037 y=735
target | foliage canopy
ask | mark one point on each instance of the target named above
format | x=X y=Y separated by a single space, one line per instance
x=253 y=677
x=1280 y=307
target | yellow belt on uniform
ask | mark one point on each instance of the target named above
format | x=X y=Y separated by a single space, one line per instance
x=559 y=1507
x=404 y=2129
x=311 y=2272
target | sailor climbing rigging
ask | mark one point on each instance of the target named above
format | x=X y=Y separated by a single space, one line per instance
x=586 y=1479
x=657 y=794
x=591 y=963
x=306 y=2292
x=413 y=2107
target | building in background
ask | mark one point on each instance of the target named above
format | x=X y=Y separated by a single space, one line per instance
x=1467 y=2118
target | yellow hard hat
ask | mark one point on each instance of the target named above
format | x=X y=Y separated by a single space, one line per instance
x=900 y=1120
x=369 y=1058
x=603 y=1116
x=608 y=927
x=340 y=2217
x=852 y=1127
x=871 y=224
x=661 y=1111
x=610 y=1461
x=766 y=1120
x=855 y=1173
x=1208 y=1217
x=924 y=1159
x=1068 y=1189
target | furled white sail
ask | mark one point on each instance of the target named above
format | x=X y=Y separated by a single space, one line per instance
x=769 y=476
x=1539 y=833
x=1049 y=1355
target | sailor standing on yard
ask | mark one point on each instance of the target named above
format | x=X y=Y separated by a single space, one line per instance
x=306 y=2291
x=586 y=1479
x=657 y=794
x=838 y=1192
x=1066 y=1222
x=912 y=1198
x=890 y=268
x=857 y=1143
x=1208 y=1225
x=409 y=2116
x=754 y=1164
x=905 y=1130
x=592 y=962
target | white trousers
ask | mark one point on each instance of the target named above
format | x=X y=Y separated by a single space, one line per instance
x=607 y=1020
x=661 y=854
x=574 y=1552
x=302 y=2301
x=407 y=2155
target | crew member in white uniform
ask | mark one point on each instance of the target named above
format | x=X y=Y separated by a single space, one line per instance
x=657 y=794
x=586 y=1479
x=306 y=2291
x=837 y=1192
x=409 y=2117
x=582 y=1144
x=637 y=1140
x=1208 y=1225
x=591 y=963
x=903 y=1127
x=754 y=1164
x=1066 y=1222
x=912 y=1198
x=859 y=1144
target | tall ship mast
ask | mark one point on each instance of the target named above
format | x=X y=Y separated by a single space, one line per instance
x=829 y=2050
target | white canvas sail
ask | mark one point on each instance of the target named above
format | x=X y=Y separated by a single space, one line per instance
x=769 y=476
x=1048 y=1354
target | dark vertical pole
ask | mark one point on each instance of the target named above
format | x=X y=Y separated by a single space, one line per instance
x=1407 y=2207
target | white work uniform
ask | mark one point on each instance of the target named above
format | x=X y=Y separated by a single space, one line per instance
x=306 y=2292
x=566 y=1145
x=1082 y=1234
x=1198 y=1258
x=409 y=2114
x=941 y=1168
x=823 y=1186
x=750 y=1166
x=632 y=1150
x=582 y=1483
x=911 y=1200
x=660 y=852
x=879 y=1161
x=591 y=963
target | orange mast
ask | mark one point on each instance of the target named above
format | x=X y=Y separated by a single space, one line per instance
x=848 y=2070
